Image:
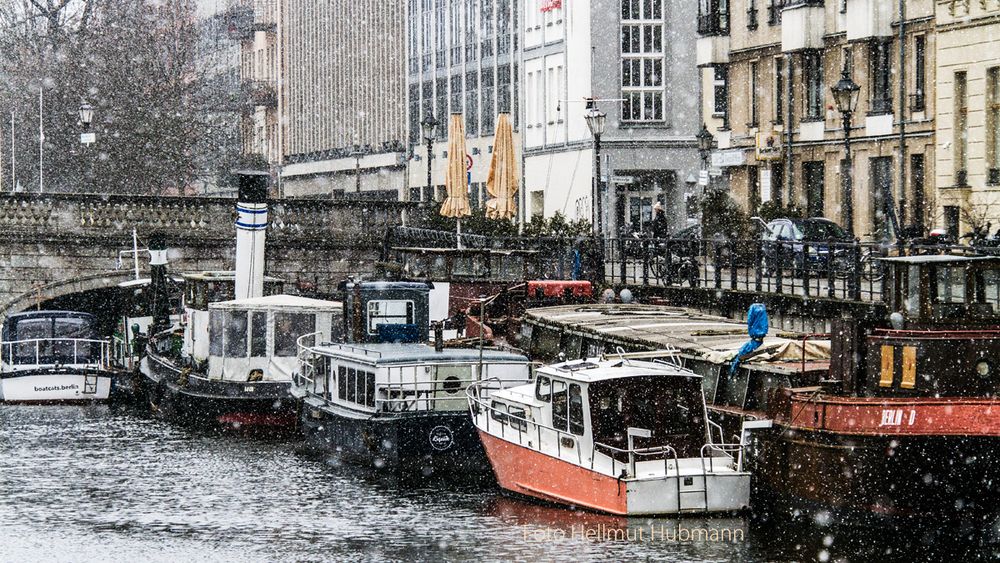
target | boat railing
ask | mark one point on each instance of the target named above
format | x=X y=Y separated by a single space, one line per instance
x=86 y=352
x=668 y=452
x=731 y=452
x=305 y=357
x=479 y=403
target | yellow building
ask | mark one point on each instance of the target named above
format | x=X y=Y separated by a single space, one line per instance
x=767 y=71
x=968 y=124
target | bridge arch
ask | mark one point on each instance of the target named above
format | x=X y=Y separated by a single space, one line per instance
x=62 y=288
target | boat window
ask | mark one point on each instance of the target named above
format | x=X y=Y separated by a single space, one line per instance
x=498 y=412
x=236 y=334
x=912 y=302
x=258 y=334
x=989 y=288
x=950 y=285
x=517 y=418
x=575 y=410
x=559 y=406
x=370 y=389
x=331 y=376
x=543 y=388
x=32 y=329
x=352 y=385
x=342 y=383
x=288 y=327
x=386 y=311
x=216 y=322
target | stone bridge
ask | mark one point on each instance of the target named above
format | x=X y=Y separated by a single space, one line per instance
x=57 y=244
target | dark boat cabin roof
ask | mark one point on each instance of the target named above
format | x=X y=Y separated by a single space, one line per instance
x=944 y=289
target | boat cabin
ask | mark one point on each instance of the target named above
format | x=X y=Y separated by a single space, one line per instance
x=943 y=338
x=386 y=311
x=201 y=289
x=257 y=339
x=402 y=378
x=45 y=338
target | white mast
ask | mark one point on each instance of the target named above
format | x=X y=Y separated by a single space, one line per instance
x=41 y=143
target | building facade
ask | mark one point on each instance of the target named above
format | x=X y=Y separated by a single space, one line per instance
x=324 y=91
x=767 y=68
x=636 y=61
x=968 y=119
x=461 y=57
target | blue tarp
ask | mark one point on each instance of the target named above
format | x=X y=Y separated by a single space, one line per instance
x=757 y=325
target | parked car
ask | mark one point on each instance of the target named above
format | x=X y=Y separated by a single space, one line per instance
x=792 y=236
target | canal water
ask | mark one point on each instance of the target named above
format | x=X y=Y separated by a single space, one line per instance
x=102 y=484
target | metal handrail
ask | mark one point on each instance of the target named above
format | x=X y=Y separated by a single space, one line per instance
x=103 y=361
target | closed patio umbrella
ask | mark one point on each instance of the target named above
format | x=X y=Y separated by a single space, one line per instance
x=457 y=203
x=502 y=181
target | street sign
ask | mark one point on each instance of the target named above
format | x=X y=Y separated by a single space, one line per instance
x=623 y=179
x=468 y=162
x=703 y=177
x=88 y=138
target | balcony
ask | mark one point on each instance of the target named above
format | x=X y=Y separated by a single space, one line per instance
x=713 y=23
x=712 y=50
x=869 y=18
x=259 y=93
x=803 y=25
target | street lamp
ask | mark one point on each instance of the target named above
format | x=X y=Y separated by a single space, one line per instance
x=357 y=167
x=428 y=126
x=846 y=93
x=87 y=137
x=596 y=121
x=86 y=115
x=705 y=140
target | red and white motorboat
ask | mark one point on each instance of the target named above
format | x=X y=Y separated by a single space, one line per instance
x=619 y=436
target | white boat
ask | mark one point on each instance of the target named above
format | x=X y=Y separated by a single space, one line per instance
x=617 y=436
x=53 y=357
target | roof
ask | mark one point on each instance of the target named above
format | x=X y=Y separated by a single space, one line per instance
x=593 y=370
x=938 y=259
x=383 y=285
x=220 y=275
x=409 y=353
x=279 y=303
x=49 y=314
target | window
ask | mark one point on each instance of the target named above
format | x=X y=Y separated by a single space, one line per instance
x=813 y=70
x=881 y=79
x=486 y=85
x=288 y=327
x=369 y=389
x=486 y=24
x=498 y=412
x=236 y=334
x=471 y=39
x=961 y=132
x=713 y=15
x=812 y=179
x=441 y=107
x=472 y=104
x=774 y=12
x=643 y=59
x=720 y=83
x=779 y=90
x=455 y=98
x=543 y=388
x=575 y=410
x=216 y=321
x=517 y=418
x=385 y=311
x=455 y=30
x=258 y=334
x=920 y=73
x=917 y=187
x=559 y=405
x=993 y=126
x=881 y=188
x=752 y=15
x=342 y=383
x=952 y=220
x=352 y=385
x=753 y=94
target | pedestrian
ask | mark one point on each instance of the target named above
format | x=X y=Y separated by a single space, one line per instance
x=659 y=227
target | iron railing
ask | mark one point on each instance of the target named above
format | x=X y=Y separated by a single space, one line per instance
x=76 y=352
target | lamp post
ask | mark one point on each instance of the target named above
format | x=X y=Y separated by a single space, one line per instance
x=87 y=138
x=596 y=121
x=357 y=168
x=846 y=93
x=427 y=126
x=705 y=141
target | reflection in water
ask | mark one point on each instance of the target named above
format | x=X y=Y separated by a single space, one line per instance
x=92 y=483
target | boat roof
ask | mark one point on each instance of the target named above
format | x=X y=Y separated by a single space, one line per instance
x=389 y=353
x=597 y=369
x=382 y=285
x=279 y=303
x=938 y=259
x=145 y=281
x=220 y=275
x=49 y=314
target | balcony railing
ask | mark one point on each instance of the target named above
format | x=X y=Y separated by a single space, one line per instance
x=774 y=12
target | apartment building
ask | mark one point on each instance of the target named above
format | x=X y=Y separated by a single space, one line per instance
x=767 y=68
x=636 y=60
x=324 y=91
x=461 y=56
x=968 y=116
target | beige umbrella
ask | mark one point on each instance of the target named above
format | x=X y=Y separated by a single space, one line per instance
x=502 y=181
x=456 y=182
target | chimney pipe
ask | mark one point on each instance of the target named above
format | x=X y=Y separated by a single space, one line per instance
x=438 y=337
x=251 y=226
x=159 y=295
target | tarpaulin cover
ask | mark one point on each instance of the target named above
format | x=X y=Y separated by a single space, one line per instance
x=757 y=325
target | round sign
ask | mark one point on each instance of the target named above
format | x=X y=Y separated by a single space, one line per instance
x=468 y=162
x=441 y=438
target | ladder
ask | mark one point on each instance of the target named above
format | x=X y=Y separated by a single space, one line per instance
x=703 y=491
x=89 y=384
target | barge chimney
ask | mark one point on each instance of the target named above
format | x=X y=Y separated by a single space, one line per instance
x=159 y=304
x=251 y=225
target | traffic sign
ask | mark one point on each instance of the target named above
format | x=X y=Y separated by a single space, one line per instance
x=468 y=162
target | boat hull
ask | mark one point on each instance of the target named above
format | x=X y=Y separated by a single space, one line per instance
x=527 y=472
x=66 y=387
x=429 y=443
x=175 y=395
